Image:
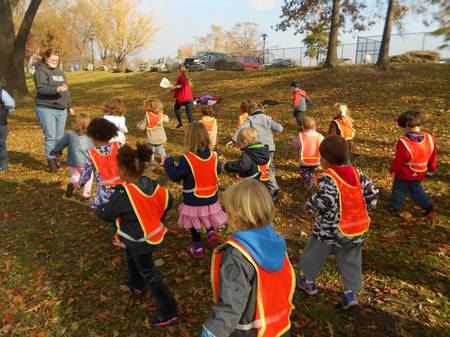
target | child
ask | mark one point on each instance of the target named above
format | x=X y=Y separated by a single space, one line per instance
x=300 y=101
x=265 y=128
x=136 y=209
x=253 y=280
x=341 y=203
x=342 y=125
x=244 y=114
x=7 y=105
x=199 y=168
x=78 y=145
x=416 y=153
x=255 y=157
x=307 y=143
x=154 y=124
x=211 y=125
x=102 y=160
x=114 y=112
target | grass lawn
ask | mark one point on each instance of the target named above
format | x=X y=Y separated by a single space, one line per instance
x=59 y=275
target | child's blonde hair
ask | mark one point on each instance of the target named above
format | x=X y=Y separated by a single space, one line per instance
x=342 y=111
x=246 y=137
x=153 y=105
x=196 y=137
x=81 y=123
x=309 y=123
x=248 y=204
x=114 y=107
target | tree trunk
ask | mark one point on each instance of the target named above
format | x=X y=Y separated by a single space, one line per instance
x=383 y=56
x=6 y=38
x=332 y=60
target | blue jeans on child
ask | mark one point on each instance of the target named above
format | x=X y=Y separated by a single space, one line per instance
x=413 y=187
x=3 y=150
x=53 y=122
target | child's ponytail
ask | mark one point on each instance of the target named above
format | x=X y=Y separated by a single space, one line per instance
x=133 y=160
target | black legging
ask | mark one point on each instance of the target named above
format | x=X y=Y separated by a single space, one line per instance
x=188 y=105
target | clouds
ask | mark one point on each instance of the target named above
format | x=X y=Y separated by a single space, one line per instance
x=263 y=4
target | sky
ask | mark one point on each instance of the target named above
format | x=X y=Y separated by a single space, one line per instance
x=180 y=21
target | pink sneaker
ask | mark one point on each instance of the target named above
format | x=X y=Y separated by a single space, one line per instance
x=197 y=253
x=213 y=239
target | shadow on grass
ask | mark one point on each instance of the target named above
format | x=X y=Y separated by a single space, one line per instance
x=26 y=160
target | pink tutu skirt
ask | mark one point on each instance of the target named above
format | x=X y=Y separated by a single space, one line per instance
x=201 y=216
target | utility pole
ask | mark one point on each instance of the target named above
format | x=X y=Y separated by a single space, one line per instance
x=264 y=36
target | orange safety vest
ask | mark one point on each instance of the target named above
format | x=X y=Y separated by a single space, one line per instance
x=310 y=148
x=242 y=118
x=354 y=219
x=205 y=175
x=346 y=129
x=106 y=165
x=420 y=152
x=153 y=120
x=274 y=293
x=149 y=210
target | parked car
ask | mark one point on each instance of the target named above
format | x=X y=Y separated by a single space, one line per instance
x=249 y=62
x=203 y=60
x=281 y=63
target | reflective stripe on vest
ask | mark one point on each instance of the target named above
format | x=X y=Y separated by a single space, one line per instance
x=205 y=175
x=273 y=304
x=242 y=118
x=310 y=148
x=209 y=123
x=106 y=165
x=354 y=219
x=153 y=120
x=346 y=129
x=420 y=152
x=149 y=210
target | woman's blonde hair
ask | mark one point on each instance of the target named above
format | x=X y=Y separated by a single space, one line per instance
x=196 y=138
x=81 y=123
x=309 y=123
x=342 y=111
x=114 y=107
x=153 y=105
x=182 y=68
x=248 y=204
x=246 y=137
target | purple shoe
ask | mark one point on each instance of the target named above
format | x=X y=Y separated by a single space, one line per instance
x=196 y=252
x=138 y=292
x=212 y=239
x=160 y=321
x=307 y=286
x=349 y=300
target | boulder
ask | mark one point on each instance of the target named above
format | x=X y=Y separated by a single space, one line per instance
x=419 y=56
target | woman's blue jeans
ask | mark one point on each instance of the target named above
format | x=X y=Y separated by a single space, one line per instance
x=53 y=122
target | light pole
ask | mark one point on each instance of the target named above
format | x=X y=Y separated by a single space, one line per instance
x=264 y=36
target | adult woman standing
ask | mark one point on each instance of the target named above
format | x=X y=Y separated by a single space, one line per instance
x=183 y=96
x=53 y=102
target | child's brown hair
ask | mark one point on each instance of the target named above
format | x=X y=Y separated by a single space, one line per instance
x=115 y=107
x=248 y=204
x=196 y=138
x=133 y=160
x=309 y=123
x=101 y=130
x=81 y=123
x=244 y=107
x=246 y=137
x=409 y=119
x=207 y=111
x=153 y=105
x=334 y=149
x=253 y=106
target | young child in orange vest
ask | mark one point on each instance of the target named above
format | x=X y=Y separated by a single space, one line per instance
x=137 y=209
x=342 y=204
x=300 y=101
x=416 y=152
x=211 y=125
x=153 y=123
x=102 y=161
x=78 y=145
x=342 y=125
x=254 y=160
x=307 y=143
x=114 y=112
x=243 y=115
x=198 y=168
x=253 y=281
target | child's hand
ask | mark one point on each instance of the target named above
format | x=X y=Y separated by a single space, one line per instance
x=229 y=144
x=118 y=245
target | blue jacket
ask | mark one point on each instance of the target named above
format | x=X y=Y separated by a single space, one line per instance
x=7 y=105
x=77 y=148
x=183 y=172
